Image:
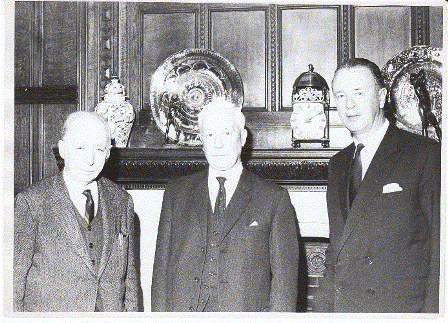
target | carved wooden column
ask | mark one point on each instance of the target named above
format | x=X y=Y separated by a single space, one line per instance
x=419 y=26
x=346 y=41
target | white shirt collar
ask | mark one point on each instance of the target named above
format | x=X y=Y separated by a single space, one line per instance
x=232 y=176
x=375 y=138
x=371 y=145
x=75 y=190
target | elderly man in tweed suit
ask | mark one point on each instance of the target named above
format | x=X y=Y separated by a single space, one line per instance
x=74 y=232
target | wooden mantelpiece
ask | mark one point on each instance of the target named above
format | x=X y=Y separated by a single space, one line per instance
x=143 y=168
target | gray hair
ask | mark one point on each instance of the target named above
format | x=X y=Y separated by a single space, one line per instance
x=219 y=106
x=88 y=116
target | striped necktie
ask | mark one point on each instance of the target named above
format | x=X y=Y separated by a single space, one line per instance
x=90 y=208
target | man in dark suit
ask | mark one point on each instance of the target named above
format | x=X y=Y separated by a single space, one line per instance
x=239 y=253
x=74 y=232
x=383 y=205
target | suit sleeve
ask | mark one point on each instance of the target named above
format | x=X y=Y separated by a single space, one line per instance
x=24 y=240
x=284 y=257
x=132 y=280
x=323 y=300
x=430 y=203
x=159 y=274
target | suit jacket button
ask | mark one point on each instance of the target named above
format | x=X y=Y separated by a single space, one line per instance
x=196 y=279
x=368 y=260
x=370 y=292
x=202 y=249
x=338 y=288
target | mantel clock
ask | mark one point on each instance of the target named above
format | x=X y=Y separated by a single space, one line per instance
x=310 y=115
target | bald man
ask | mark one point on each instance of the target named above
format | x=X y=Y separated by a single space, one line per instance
x=74 y=231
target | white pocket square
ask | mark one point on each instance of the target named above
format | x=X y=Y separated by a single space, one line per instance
x=391 y=187
x=253 y=224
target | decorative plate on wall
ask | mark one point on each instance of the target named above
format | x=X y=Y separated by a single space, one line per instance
x=184 y=84
x=414 y=81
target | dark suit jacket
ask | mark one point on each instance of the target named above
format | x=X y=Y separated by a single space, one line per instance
x=52 y=267
x=386 y=256
x=258 y=265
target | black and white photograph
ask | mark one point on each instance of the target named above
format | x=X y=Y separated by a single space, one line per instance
x=203 y=161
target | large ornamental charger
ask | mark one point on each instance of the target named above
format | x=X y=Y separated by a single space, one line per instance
x=183 y=85
x=414 y=81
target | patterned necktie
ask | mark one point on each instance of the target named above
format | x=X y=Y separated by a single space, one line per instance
x=356 y=174
x=90 y=209
x=220 y=204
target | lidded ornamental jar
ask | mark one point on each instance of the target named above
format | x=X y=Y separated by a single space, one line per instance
x=118 y=112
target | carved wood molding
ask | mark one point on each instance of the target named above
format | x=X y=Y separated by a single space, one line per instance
x=203 y=24
x=419 y=26
x=315 y=256
x=108 y=44
x=281 y=8
x=346 y=32
x=142 y=168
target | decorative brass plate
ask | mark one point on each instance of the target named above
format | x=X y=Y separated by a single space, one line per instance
x=184 y=84
x=402 y=95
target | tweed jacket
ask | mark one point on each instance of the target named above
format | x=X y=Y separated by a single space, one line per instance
x=385 y=257
x=52 y=267
x=258 y=263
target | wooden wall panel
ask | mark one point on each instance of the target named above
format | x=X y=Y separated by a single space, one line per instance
x=23 y=30
x=436 y=26
x=175 y=30
x=59 y=43
x=22 y=147
x=49 y=51
x=303 y=44
x=54 y=116
x=240 y=36
x=382 y=32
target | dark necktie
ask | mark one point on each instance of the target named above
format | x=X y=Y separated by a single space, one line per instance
x=90 y=209
x=220 y=204
x=356 y=174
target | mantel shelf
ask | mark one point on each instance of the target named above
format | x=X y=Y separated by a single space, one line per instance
x=142 y=168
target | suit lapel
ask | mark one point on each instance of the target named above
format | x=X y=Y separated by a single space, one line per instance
x=343 y=180
x=238 y=203
x=66 y=217
x=198 y=204
x=109 y=216
x=383 y=161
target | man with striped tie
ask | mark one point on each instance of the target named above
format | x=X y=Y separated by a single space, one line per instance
x=227 y=240
x=74 y=231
